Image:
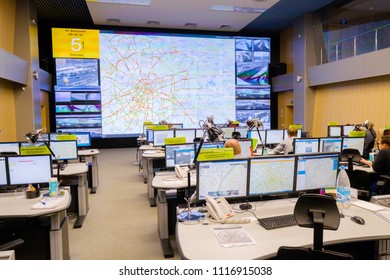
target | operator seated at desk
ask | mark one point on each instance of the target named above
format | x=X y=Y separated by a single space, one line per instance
x=381 y=164
x=286 y=146
x=233 y=143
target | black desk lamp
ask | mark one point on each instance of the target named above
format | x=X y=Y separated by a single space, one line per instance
x=214 y=133
x=33 y=137
x=255 y=123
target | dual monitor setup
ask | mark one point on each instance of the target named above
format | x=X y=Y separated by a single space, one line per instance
x=266 y=176
x=63 y=149
x=184 y=154
x=16 y=170
x=340 y=130
x=327 y=144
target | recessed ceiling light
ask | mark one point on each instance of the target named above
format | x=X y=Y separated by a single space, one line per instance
x=225 y=26
x=227 y=8
x=113 y=20
x=190 y=24
x=126 y=2
x=153 y=22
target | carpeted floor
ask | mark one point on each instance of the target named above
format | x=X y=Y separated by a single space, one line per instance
x=120 y=224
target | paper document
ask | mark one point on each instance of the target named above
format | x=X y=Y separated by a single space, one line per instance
x=233 y=236
x=48 y=202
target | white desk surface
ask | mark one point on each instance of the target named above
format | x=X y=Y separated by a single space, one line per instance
x=148 y=147
x=73 y=169
x=198 y=242
x=154 y=154
x=88 y=152
x=13 y=207
x=168 y=180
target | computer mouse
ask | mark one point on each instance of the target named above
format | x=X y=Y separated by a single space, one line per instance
x=358 y=220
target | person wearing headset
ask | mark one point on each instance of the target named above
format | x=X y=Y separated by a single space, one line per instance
x=381 y=164
x=286 y=146
x=233 y=143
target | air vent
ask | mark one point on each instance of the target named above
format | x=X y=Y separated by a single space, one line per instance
x=113 y=20
x=190 y=24
x=153 y=23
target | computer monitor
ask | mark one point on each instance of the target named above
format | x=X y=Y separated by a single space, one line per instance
x=208 y=145
x=145 y=126
x=149 y=135
x=316 y=171
x=37 y=148
x=354 y=143
x=222 y=178
x=176 y=125
x=347 y=129
x=25 y=170
x=299 y=133
x=274 y=136
x=306 y=145
x=242 y=130
x=271 y=175
x=188 y=133
x=334 y=131
x=3 y=172
x=9 y=148
x=64 y=150
x=83 y=139
x=246 y=147
x=57 y=136
x=330 y=144
x=254 y=135
x=179 y=154
x=228 y=131
x=160 y=135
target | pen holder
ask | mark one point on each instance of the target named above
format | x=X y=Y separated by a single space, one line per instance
x=33 y=194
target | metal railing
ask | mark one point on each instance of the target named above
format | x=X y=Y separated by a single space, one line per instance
x=365 y=42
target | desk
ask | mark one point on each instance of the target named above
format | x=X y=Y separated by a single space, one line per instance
x=198 y=242
x=15 y=209
x=143 y=162
x=93 y=153
x=79 y=171
x=163 y=182
x=149 y=164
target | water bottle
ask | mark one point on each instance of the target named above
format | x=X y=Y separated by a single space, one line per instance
x=343 y=189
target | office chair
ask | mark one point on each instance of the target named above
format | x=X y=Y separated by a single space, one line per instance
x=360 y=180
x=383 y=184
x=318 y=212
x=11 y=245
x=350 y=155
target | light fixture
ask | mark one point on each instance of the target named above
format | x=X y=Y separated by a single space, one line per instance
x=228 y=8
x=113 y=20
x=33 y=137
x=255 y=123
x=124 y=2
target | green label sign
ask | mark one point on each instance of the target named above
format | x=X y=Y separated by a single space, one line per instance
x=215 y=154
x=175 y=140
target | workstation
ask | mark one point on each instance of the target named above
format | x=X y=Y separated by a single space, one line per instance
x=307 y=93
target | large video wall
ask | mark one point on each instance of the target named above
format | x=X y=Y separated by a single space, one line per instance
x=130 y=78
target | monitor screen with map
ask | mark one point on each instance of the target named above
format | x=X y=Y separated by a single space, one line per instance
x=224 y=178
x=316 y=171
x=179 y=154
x=354 y=143
x=271 y=175
x=152 y=76
x=65 y=150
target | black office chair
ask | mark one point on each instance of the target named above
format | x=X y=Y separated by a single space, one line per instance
x=318 y=212
x=383 y=184
x=360 y=180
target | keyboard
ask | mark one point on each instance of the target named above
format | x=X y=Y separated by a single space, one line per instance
x=383 y=200
x=277 y=221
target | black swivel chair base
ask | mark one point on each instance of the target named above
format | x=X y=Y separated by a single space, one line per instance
x=301 y=253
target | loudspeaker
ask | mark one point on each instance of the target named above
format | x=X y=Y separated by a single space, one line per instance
x=280 y=69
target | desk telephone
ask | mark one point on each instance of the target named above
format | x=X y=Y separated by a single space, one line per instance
x=181 y=172
x=219 y=209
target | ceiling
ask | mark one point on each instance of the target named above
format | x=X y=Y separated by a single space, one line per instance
x=180 y=14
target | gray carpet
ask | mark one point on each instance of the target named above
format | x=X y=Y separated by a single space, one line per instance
x=120 y=224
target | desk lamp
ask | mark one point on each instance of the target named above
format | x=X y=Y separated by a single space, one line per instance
x=255 y=123
x=33 y=137
x=214 y=133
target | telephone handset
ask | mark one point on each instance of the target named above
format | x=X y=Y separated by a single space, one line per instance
x=219 y=209
x=181 y=172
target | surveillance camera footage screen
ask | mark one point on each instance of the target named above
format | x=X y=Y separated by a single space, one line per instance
x=181 y=78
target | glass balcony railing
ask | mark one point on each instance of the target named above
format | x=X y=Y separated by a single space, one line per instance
x=369 y=41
